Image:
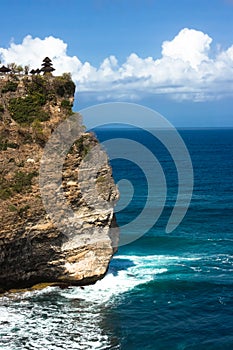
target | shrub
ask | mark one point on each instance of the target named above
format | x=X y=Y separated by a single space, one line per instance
x=22 y=181
x=5 y=193
x=9 y=86
x=25 y=135
x=101 y=179
x=66 y=76
x=20 y=210
x=12 y=208
x=25 y=110
x=37 y=84
x=64 y=86
x=67 y=105
x=23 y=209
x=38 y=133
x=82 y=146
x=4 y=144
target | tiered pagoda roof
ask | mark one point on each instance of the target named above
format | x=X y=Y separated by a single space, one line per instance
x=47 y=66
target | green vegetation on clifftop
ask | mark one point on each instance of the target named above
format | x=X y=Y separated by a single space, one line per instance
x=38 y=93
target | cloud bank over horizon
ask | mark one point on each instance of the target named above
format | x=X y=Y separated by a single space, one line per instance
x=186 y=70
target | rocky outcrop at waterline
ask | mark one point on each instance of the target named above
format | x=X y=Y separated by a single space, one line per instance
x=32 y=249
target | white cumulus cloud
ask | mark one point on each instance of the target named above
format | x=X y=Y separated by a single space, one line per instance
x=189 y=45
x=185 y=70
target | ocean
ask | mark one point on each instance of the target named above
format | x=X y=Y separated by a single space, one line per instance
x=162 y=291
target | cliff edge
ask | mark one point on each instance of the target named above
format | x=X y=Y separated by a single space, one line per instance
x=32 y=249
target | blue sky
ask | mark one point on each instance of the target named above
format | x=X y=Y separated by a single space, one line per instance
x=173 y=56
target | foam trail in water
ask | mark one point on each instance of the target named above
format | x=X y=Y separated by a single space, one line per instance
x=125 y=273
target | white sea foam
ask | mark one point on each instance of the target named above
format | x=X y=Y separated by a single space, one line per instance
x=125 y=273
x=40 y=318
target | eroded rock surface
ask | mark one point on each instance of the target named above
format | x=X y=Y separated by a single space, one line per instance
x=34 y=249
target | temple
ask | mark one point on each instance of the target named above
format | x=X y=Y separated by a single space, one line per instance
x=47 y=68
x=4 y=70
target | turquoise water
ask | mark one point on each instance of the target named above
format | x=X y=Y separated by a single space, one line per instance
x=162 y=291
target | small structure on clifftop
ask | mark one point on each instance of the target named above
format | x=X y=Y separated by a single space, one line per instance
x=47 y=66
x=4 y=70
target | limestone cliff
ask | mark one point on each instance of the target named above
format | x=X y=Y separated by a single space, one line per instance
x=32 y=249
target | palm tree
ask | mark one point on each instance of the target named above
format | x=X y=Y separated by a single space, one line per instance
x=13 y=67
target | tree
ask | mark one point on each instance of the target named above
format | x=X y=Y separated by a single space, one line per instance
x=19 y=69
x=13 y=67
x=26 y=69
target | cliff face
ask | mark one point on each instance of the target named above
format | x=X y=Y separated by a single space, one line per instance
x=32 y=248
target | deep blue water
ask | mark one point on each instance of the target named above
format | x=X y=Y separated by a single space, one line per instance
x=163 y=291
